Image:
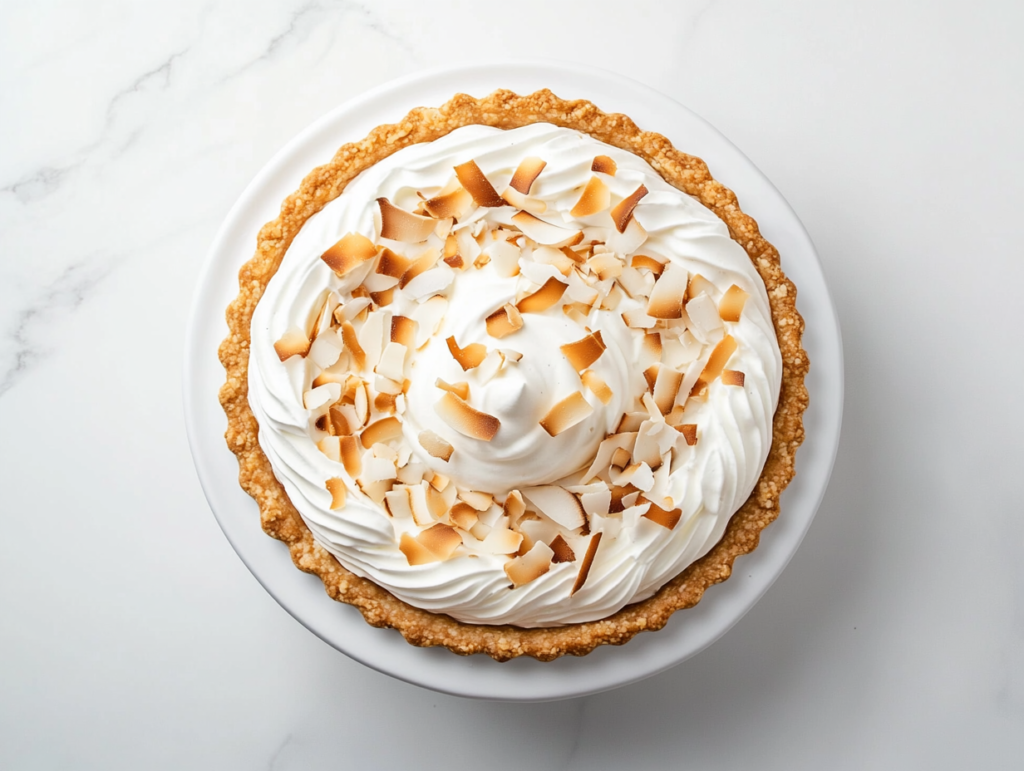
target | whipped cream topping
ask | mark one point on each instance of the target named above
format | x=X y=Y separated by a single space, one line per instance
x=706 y=481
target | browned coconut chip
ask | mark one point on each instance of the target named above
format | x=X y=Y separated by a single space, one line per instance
x=597 y=386
x=435 y=445
x=528 y=171
x=348 y=336
x=467 y=357
x=460 y=389
x=731 y=305
x=420 y=265
x=383 y=297
x=577 y=257
x=424 y=549
x=351 y=455
x=596 y=197
x=582 y=353
x=328 y=304
x=697 y=285
x=519 y=201
x=651 y=345
x=351 y=251
x=604 y=165
x=666 y=387
x=543 y=298
x=514 y=507
x=689 y=432
x=588 y=560
x=439 y=482
x=666 y=300
x=651 y=376
x=385 y=402
x=479 y=501
x=323 y=423
x=667 y=519
x=621 y=458
x=464 y=515
x=452 y=204
x=566 y=414
x=645 y=261
x=605 y=266
x=466 y=420
x=531 y=566
x=381 y=431
x=436 y=503
x=562 y=551
x=473 y=179
x=391 y=264
x=622 y=212
x=399 y=225
x=544 y=232
x=455 y=261
x=339 y=424
x=403 y=331
x=336 y=487
x=732 y=377
x=718 y=359
x=294 y=342
x=504 y=321
x=557 y=504
x=331 y=447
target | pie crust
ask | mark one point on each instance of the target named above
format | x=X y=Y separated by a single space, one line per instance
x=506 y=110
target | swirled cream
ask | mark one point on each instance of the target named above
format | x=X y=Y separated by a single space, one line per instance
x=531 y=413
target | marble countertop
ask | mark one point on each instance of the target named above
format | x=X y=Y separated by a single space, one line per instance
x=133 y=637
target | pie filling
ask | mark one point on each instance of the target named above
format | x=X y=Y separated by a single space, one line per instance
x=515 y=376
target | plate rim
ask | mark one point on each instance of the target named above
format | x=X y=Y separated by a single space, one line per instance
x=490 y=680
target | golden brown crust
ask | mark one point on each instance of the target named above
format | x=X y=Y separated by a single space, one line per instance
x=504 y=109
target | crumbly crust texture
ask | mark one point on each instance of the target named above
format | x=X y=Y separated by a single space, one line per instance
x=507 y=110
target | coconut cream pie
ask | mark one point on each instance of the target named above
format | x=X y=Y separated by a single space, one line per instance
x=514 y=377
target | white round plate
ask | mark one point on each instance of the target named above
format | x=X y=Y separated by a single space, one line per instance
x=522 y=679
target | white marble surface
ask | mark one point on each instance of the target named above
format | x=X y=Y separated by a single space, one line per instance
x=133 y=637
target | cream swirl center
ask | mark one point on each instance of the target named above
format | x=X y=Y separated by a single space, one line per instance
x=521 y=395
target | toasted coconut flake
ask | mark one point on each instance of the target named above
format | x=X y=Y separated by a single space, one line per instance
x=478 y=500
x=351 y=251
x=429 y=316
x=637 y=319
x=351 y=455
x=596 y=197
x=336 y=487
x=470 y=356
x=597 y=386
x=505 y=258
x=385 y=402
x=628 y=241
x=391 y=264
x=549 y=255
x=504 y=321
x=588 y=560
x=531 y=566
x=403 y=331
x=604 y=165
x=541 y=231
x=351 y=340
x=516 y=199
x=464 y=515
x=666 y=300
x=651 y=348
x=382 y=430
x=731 y=305
x=666 y=387
x=698 y=285
x=621 y=458
x=415 y=552
x=528 y=171
x=732 y=377
x=605 y=266
x=435 y=501
x=667 y=519
x=439 y=482
x=466 y=420
x=331 y=447
x=557 y=504
x=476 y=183
x=460 y=389
x=647 y=262
x=605 y=450
x=294 y=342
x=383 y=297
x=392 y=363
x=538 y=302
x=399 y=225
x=420 y=265
x=651 y=375
x=566 y=414
x=718 y=359
x=343 y=420
x=514 y=507
x=435 y=445
x=561 y=550
x=455 y=203
x=622 y=212
x=582 y=353
x=689 y=432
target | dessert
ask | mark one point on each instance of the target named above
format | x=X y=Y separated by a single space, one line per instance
x=511 y=384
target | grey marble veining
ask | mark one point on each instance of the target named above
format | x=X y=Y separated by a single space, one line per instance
x=133 y=636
